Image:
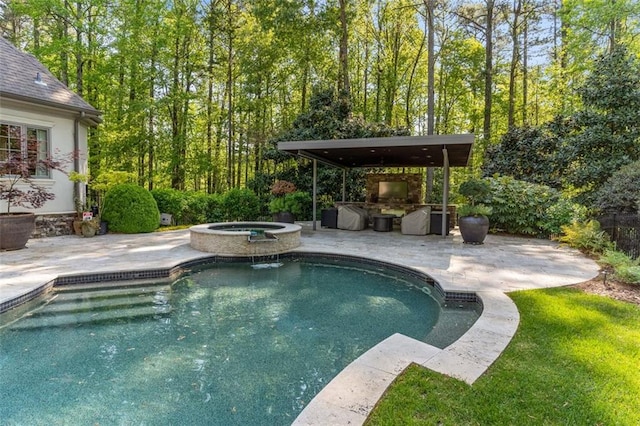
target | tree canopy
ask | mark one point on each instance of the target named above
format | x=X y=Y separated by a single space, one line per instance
x=192 y=92
x=581 y=151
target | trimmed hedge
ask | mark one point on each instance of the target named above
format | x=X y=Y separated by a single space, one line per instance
x=240 y=204
x=169 y=201
x=130 y=209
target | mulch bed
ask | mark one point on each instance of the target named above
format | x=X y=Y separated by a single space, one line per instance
x=616 y=290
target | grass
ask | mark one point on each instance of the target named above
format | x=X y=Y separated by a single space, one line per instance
x=575 y=360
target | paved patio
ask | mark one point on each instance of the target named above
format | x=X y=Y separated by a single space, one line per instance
x=501 y=265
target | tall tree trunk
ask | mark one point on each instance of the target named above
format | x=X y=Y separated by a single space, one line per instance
x=488 y=81
x=64 y=54
x=79 y=52
x=431 y=70
x=525 y=66
x=365 y=84
x=210 y=64
x=515 y=54
x=230 y=135
x=343 y=74
x=613 y=30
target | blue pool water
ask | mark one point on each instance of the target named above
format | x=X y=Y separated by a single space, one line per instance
x=227 y=345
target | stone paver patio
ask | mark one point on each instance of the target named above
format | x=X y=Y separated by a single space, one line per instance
x=501 y=265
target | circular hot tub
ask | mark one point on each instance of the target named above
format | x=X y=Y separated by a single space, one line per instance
x=245 y=238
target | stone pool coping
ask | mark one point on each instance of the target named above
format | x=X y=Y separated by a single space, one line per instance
x=351 y=396
x=501 y=265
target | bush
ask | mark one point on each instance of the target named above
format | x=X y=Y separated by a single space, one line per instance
x=190 y=208
x=477 y=210
x=215 y=208
x=474 y=190
x=625 y=268
x=586 y=236
x=169 y=201
x=194 y=208
x=130 y=209
x=240 y=204
x=298 y=203
x=563 y=212
x=520 y=207
x=621 y=192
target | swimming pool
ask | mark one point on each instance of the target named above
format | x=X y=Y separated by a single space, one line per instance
x=228 y=344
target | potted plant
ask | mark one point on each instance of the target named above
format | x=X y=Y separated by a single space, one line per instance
x=80 y=206
x=285 y=209
x=19 y=188
x=279 y=206
x=99 y=187
x=89 y=228
x=472 y=216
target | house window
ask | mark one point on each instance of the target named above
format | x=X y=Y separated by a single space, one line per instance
x=30 y=142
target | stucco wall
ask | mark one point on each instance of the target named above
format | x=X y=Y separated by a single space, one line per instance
x=61 y=134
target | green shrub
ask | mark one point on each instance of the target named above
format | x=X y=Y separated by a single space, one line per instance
x=621 y=192
x=615 y=259
x=586 y=236
x=130 y=209
x=520 y=207
x=298 y=203
x=240 y=204
x=625 y=268
x=478 y=210
x=563 y=212
x=194 y=208
x=169 y=201
x=215 y=208
x=475 y=190
x=628 y=273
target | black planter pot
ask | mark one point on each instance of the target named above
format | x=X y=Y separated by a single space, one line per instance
x=473 y=229
x=286 y=217
x=15 y=230
x=104 y=228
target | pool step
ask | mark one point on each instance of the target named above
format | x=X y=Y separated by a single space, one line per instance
x=74 y=305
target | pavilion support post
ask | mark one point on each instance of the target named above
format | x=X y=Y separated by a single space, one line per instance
x=344 y=185
x=445 y=190
x=315 y=192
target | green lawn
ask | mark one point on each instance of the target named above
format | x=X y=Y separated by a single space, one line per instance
x=575 y=360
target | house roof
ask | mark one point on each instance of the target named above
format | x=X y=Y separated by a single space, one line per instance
x=397 y=151
x=24 y=78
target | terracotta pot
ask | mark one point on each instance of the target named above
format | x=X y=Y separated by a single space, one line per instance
x=473 y=229
x=77 y=227
x=15 y=230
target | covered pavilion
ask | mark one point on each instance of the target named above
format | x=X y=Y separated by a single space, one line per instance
x=397 y=151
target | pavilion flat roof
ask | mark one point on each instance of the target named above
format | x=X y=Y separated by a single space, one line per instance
x=394 y=151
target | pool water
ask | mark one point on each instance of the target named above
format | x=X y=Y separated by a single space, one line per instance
x=227 y=344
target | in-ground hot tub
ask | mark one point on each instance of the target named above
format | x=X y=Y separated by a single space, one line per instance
x=245 y=238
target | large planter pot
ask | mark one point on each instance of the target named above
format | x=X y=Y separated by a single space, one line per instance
x=473 y=229
x=15 y=230
x=286 y=217
x=89 y=229
x=77 y=227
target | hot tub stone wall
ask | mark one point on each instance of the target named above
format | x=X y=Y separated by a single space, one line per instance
x=236 y=243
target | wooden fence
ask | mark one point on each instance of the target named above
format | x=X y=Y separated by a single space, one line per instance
x=624 y=230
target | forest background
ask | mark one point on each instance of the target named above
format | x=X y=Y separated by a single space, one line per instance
x=195 y=92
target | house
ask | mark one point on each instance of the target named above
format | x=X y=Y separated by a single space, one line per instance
x=36 y=105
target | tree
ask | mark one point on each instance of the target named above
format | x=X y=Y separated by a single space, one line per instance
x=481 y=18
x=527 y=153
x=621 y=192
x=329 y=117
x=606 y=135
